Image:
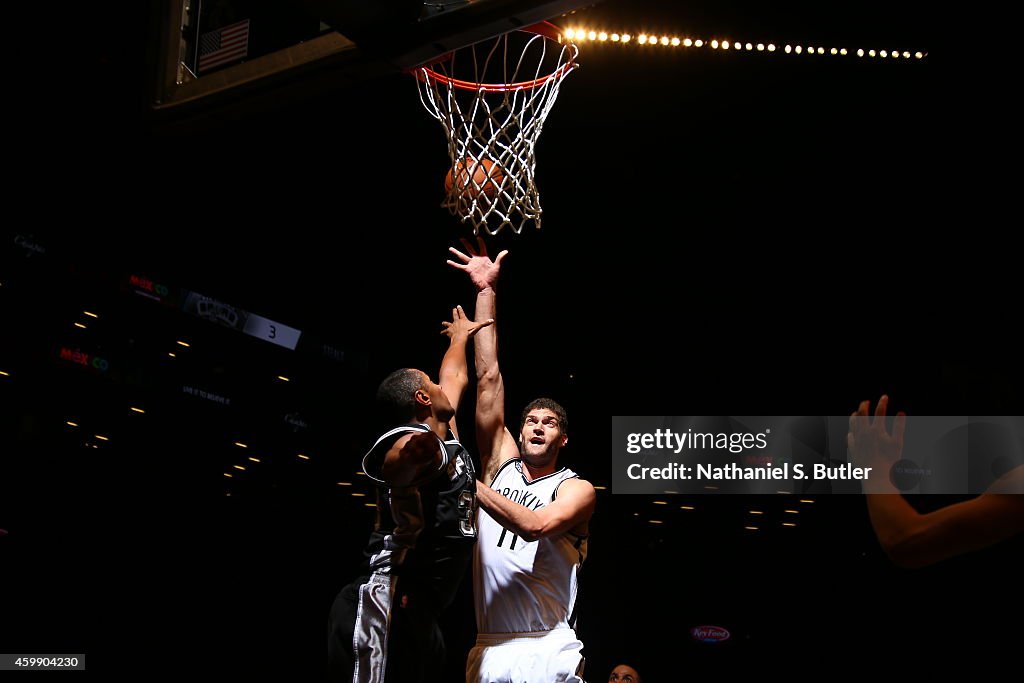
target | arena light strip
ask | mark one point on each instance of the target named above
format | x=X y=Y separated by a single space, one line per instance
x=583 y=35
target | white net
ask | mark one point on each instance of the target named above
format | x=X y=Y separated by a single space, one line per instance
x=492 y=98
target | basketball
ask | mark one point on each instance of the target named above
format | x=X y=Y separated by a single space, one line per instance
x=474 y=179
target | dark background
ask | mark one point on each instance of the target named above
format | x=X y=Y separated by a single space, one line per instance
x=723 y=234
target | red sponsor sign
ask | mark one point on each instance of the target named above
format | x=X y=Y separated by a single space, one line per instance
x=710 y=634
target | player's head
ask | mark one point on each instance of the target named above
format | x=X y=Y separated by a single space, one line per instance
x=407 y=395
x=544 y=429
x=623 y=674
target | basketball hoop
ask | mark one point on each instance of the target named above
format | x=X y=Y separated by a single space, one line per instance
x=491 y=98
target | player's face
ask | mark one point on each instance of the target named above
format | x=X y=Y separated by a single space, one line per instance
x=541 y=435
x=442 y=406
x=623 y=674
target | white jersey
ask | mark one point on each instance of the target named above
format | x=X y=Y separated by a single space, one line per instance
x=524 y=587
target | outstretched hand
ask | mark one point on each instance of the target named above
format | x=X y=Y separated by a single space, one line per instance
x=480 y=268
x=461 y=327
x=869 y=442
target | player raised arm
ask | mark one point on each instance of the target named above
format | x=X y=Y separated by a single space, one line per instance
x=454 y=374
x=494 y=441
x=414 y=456
x=912 y=539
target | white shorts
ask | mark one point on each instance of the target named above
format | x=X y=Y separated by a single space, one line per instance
x=541 y=657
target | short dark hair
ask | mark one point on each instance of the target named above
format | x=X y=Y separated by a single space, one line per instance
x=549 y=404
x=396 y=395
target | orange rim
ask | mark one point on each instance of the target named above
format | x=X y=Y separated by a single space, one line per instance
x=544 y=28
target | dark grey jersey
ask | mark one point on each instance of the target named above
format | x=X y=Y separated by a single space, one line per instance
x=424 y=533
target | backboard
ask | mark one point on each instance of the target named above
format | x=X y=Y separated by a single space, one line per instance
x=212 y=53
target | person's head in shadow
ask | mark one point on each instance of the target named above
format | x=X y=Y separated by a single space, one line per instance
x=624 y=673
